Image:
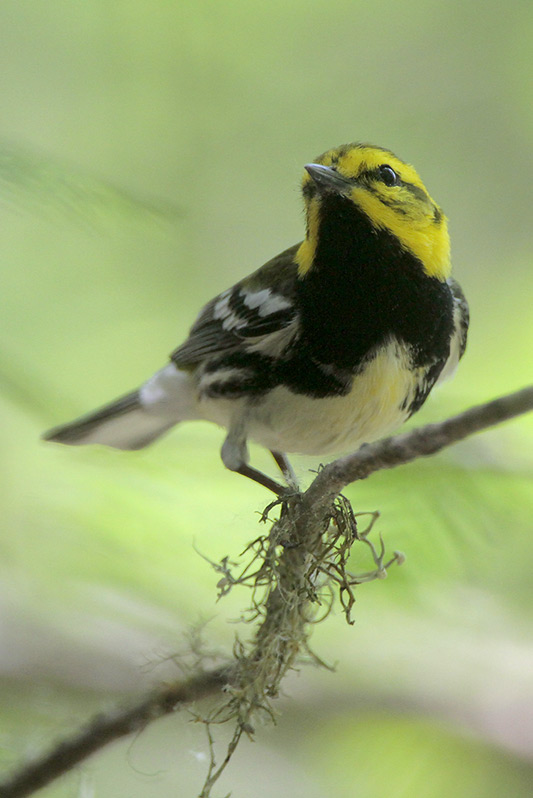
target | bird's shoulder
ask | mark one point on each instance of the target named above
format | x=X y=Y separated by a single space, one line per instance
x=255 y=312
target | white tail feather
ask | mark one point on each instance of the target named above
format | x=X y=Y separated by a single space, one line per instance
x=137 y=419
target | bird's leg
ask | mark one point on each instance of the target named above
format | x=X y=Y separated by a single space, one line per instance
x=235 y=456
x=285 y=468
x=262 y=479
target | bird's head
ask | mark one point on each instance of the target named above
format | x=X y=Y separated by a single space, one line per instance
x=390 y=195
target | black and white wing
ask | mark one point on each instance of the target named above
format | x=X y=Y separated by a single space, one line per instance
x=256 y=316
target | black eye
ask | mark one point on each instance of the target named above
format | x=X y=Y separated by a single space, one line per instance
x=388 y=175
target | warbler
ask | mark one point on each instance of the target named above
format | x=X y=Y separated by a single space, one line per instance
x=333 y=343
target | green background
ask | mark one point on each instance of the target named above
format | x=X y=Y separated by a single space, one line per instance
x=150 y=155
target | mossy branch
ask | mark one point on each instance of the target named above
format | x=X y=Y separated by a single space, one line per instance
x=292 y=571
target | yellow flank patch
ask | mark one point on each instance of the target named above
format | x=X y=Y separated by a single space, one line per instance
x=376 y=405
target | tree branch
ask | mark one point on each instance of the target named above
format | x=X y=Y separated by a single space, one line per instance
x=103 y=729
x=302 y=524
x=420 y=442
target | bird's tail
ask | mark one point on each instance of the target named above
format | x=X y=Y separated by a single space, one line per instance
x=122 y=424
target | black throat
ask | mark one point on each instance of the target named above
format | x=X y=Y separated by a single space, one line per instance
x=364 y=288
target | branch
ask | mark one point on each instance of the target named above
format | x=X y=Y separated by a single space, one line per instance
x=103 y=729
x=421 y=442
x=284 y=615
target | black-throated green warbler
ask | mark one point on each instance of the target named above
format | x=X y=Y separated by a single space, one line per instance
x=333 y=343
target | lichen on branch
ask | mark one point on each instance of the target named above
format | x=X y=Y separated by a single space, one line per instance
x=294 y=572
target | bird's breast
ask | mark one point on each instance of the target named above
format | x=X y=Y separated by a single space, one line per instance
x=378 y=401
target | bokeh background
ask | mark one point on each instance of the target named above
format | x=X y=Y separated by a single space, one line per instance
x=150 y=155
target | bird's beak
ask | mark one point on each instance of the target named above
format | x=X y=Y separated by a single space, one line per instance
x=327 y=179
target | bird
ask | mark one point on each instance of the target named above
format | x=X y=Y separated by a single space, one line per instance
x=332 y=344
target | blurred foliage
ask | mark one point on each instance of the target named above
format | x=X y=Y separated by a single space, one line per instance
x=114 y=116
x=28 y=180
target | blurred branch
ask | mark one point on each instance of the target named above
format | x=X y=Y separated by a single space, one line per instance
x=103 y=729
x=307 y=546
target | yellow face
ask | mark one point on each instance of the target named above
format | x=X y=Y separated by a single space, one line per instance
x=391 y=194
